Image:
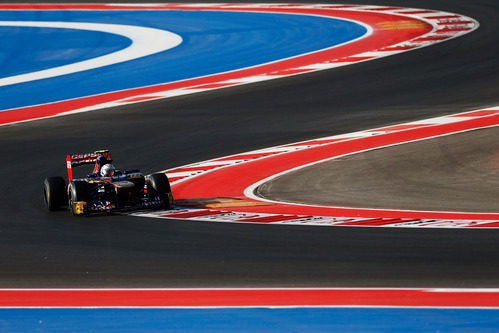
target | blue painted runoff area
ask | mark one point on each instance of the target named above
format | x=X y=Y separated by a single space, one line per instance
x=249 y=320
x=213 y=42
x=22 y=53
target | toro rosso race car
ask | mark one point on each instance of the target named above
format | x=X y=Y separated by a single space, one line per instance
x=106 y=190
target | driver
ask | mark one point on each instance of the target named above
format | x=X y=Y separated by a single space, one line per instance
x=107 y=170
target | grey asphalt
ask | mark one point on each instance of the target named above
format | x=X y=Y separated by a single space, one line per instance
x=41 y=249
x=456 y=173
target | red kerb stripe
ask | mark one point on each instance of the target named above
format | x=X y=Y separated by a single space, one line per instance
x=418 y=12
x=378 y=222
x=192 y=214
x=138 y=99
x=442 y=17
x=212 y=86
x=443 y=31
x=275 y=218
x=486 y=225
x=398 y=48
x=430 y=39
x=248 y=297
x=350 y=59
x=290 y=71
x=455 y=23
x=382 y=9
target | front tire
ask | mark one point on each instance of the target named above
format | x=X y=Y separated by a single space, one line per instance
x=159 y=185
x=54 y=193
x=78 y=193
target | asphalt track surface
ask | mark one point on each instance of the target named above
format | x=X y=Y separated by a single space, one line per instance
x=41 y=249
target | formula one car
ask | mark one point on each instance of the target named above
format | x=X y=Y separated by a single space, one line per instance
x=106 y=190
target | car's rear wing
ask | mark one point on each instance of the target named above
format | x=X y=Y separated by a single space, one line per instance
x=77 y=160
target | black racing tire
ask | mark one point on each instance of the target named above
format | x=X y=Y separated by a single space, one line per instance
x=54 y=193
x=159 y=185
x=78 y=191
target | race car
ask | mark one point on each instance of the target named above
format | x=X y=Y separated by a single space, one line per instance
x=106 y=189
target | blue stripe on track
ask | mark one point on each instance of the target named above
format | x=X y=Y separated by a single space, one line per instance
x=34 y=49
x=213 y=42
x=249 y=320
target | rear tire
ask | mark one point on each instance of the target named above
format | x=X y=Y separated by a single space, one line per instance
x=159 y=185
x=54 y=193
x=78 y=191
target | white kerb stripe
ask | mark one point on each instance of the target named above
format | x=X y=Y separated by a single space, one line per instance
x=145 y=41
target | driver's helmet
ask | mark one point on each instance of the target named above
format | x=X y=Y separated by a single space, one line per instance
x=107 y=170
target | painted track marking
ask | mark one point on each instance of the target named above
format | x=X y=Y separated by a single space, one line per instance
x=205 y=182
x=426 y=28
x=145 y=41
x=250 y=297
x=247 y=309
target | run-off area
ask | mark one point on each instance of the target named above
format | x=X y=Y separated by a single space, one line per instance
x=458 y=172
x=248 y=319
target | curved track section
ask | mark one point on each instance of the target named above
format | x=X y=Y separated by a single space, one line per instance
x=451 y=173
x=41 y=249
x=329 y=36
x=204 y=184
